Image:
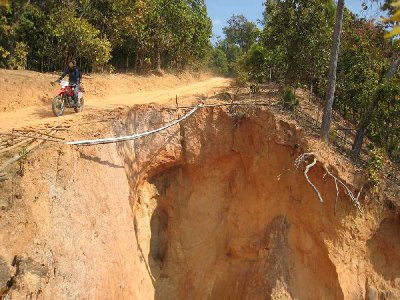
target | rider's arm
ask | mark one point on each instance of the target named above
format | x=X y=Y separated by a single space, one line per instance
x=63 y=74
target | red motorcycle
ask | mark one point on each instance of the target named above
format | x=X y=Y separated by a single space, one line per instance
x=65 y=99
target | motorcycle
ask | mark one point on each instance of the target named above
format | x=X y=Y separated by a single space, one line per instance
x=65 y=99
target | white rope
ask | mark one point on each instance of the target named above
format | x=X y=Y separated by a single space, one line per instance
x=135 y=136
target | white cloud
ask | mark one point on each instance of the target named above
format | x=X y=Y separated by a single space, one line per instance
x=217 y=22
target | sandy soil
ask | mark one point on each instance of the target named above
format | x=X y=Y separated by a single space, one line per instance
x=26 y=96
x=210 y=209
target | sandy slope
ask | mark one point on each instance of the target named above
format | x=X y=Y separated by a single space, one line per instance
x=26 y=96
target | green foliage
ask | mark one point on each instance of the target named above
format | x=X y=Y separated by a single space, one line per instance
x=136 y=34
x=19 y=57
x=364 y=95
x=384 y=124
x=241 y=32
x=219 y=62
x=232 y=52
x=254 y=64
x=375 y=164
x=361 y=62
x=394 y=19
x=297 y=36
x=75 y=37
x=240 y=36
x=288 y=99
x=295 y=47
x=333 y=135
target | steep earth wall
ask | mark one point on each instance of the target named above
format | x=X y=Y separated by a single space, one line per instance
x=210 y=209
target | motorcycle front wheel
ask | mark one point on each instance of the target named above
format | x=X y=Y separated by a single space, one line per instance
x=58 y=106
x=80 y=107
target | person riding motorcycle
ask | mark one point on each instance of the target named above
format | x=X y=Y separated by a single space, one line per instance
x=75 y=77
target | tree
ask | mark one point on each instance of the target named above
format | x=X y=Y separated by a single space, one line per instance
x=253 y=64
x=380 y=94
x=219 y=62
x=296 y=37
x=241 y=32
x=76 y=37
x=125 y=33
x=394 y=10
x=330 y=94
x=232 y=53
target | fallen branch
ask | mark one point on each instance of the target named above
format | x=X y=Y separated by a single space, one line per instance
x=28 y=140
x=37 y=132
x=33 y=137
x=18 y=157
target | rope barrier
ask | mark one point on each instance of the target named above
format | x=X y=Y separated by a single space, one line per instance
x=135 y=136
x=140 y=135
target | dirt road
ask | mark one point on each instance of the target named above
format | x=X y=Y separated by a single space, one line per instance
x=40 y=114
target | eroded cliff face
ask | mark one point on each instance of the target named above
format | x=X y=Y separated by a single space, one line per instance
x=213 y=208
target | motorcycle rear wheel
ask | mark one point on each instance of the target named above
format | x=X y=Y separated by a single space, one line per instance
x=58 y=106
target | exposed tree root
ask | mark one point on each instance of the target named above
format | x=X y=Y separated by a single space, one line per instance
x=303 y=159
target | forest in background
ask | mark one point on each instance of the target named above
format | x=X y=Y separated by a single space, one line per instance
x=104 y=35
x=293 y=49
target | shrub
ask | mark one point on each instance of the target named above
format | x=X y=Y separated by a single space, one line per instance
x=288 y=99
x=375 y=164
x=20 y=56
x=333 y=135
x=219 y=62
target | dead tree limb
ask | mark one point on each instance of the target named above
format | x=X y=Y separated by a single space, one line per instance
x=37 y=132
x=33 y=137
x=18 y=157
x=7 y=149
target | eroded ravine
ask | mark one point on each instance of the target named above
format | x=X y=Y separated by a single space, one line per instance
x=210 y=209
x=229 y=217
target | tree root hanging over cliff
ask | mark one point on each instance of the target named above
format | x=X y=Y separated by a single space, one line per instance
x=303 y=159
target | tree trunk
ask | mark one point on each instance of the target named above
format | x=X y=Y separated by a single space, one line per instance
x=159 y=61
x=393 y=68
x=358 y=141
x=366 y=119
x=138 y=64
x=330 y=95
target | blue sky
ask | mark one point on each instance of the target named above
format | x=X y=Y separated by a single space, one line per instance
x=221 y=10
